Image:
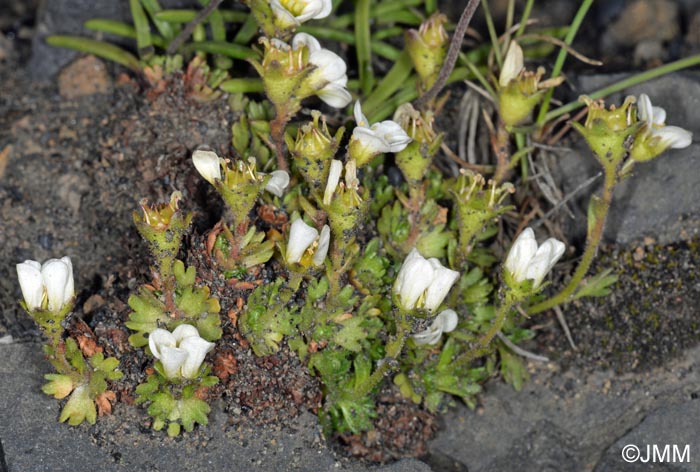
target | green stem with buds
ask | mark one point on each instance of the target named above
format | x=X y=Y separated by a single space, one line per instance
x=595 y=234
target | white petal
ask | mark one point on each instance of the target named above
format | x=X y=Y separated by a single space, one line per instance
x=335 y=95
x=674 y=137
x=333 y=180
x=430 y=336
x=644 y=108
x=278 y=182
x=31 y=283
x=183 y=332
x=158 y=339
x=301 y=236
x=520 y=254
x=393 y=134
x=360 y=118
x=369 y=140
x=659 y=116
x=512 y=65
x=304 y=39
x=447 y=320
x=197 y=349
x=284 y=17
x=70 y=286
x=56 y=274
x=324 y=241
x=443 y=279
x=173 y=359
x=330 y=66
x=546 y=256
x=325 y=10
x=207 y=164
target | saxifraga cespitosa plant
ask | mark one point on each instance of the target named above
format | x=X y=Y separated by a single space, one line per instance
x=376 y=278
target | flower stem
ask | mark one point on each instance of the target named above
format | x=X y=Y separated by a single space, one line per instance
x=483 y=345
x=393 y=351
x=593 y=239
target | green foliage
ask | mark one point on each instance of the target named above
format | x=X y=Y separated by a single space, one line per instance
x=268 y=318
x=193 y=304
x=175 y=405
x=425 y=230
x=598 y=285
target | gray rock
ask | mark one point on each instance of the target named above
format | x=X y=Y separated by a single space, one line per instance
x=667 y=439
x=661 y=198
x=569 y=421
x=32 y=439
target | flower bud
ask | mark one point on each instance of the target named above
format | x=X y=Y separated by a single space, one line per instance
x=313 y=150
x=520 y=90
x=428 y=47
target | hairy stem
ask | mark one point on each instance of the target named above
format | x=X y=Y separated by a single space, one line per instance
x=592 y=242
x=483 y=346
x=189 y=29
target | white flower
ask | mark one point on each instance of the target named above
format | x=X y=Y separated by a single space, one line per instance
x=207 y=164
x=333 y=180
x=181 y=352
x=302 y=237
x=279 y=180
x=329 y=78
x=423 y=283
x=526 y=261
x=512 y=65
x=53 y=280
x=655 y=117
x=445 y=322
x=386 y=136
x=290 y=13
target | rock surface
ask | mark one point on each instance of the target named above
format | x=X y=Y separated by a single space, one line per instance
x=577 y=420
x=661 y=199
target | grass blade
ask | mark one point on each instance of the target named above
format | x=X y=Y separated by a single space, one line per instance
x=363 y=45
x=98 y=48
x=119 y=28
x=235 y=51
x=164 y=28
x=143 y=30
